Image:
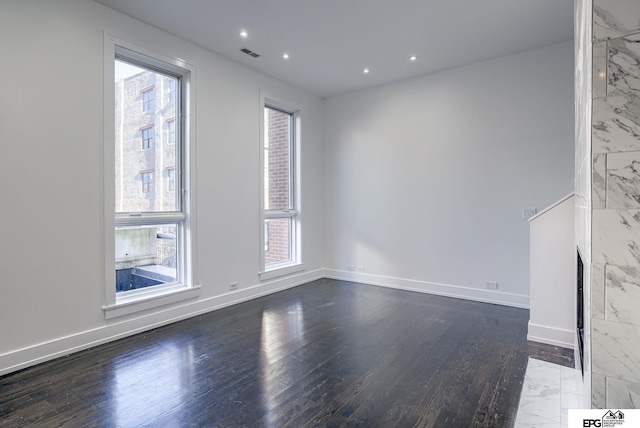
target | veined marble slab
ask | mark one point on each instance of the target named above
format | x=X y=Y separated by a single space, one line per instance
x=622 y=294
x=622 y=395
x=597 y=291
x=615 y=18
x=615 y=350
x=584 y=217
x=623 y=74
x=598 y=388
x=598 y=181
x=548 y=392
x=599 y=77
x=623 y=180
x=616 y=237
x=616 y=124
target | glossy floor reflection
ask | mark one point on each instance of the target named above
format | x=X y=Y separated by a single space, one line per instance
x=328 y=353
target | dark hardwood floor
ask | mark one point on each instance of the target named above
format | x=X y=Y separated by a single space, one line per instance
x=325 y=354
x=551 y=354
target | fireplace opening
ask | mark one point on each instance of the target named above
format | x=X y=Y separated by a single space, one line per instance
x=580 y=310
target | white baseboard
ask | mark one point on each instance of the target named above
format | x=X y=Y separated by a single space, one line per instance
x=32 y=355
x=551 y=335
x=467 y=293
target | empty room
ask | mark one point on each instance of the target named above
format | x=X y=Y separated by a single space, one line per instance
x=293 y=213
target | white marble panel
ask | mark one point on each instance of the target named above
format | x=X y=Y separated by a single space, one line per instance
x=526 y=420
x=623 y=395
x=599 y=75
x=581 y=229
x=540 y=401
x=598 y=181
x=597 y=291
x=598 y=391
x=584 y=185
x=615 y=350
x=580 y=159
x=623 y=75
x=623 y=180
x=568 y=389
x=616 y=237
x=615 y=18
x=623 y=294
x=616 y=124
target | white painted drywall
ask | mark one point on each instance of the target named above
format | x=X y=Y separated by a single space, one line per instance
x=51 y=118
x=426 y=178
x=552 y=315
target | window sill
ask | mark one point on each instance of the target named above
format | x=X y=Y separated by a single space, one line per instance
x=130 y=305
x=282 y=271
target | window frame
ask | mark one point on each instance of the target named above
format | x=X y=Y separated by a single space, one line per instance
x=128 y=302
x=146 y=177
x=171 y=179
x=171 y=92
x=148 y=99
x=171 y=130
x=146 y=134
x=295 y=263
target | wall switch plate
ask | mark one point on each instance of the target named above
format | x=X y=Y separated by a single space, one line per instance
x=233 y=286
x=527 y=213
x=491 y=285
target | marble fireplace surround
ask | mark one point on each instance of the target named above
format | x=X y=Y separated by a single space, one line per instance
x=608 y=207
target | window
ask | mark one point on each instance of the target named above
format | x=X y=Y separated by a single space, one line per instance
x=171 y=131
x=281 y=210
x=150 y=234
x=171 y=91
x=147 y=138
x=147 y=181
x=171 y=179
x=148 y=104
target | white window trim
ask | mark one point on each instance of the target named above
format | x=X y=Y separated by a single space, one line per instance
x=296 y=264
x=114 y=305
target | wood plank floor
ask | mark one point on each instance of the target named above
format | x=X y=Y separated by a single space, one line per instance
x=325 y=354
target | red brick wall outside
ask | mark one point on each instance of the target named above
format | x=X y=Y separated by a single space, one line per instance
x=277 y=178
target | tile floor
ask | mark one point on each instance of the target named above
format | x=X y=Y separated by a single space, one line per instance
x=549 y=390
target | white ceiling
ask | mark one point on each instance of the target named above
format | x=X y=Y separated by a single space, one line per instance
x=330 y=42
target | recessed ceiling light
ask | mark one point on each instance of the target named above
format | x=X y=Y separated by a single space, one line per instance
x=285 y=55
x=244 y=34
x=365 y=71
x=413 y=58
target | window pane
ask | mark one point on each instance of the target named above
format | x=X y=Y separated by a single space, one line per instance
x=136 y=155
x=145 y=256
x=171 y=177
x=147 y=138
x=171 y=132
x=277 y=159
x=277 y=240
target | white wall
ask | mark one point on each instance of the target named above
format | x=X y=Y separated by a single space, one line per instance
x=51 y=119
x=426 y=179
x=552 y=315
x=422 y=182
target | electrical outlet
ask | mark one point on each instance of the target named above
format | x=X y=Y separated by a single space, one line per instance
x=491 y=285
x=527 y=213
x=360 y=268
x=351 y=268
x=233 y=286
